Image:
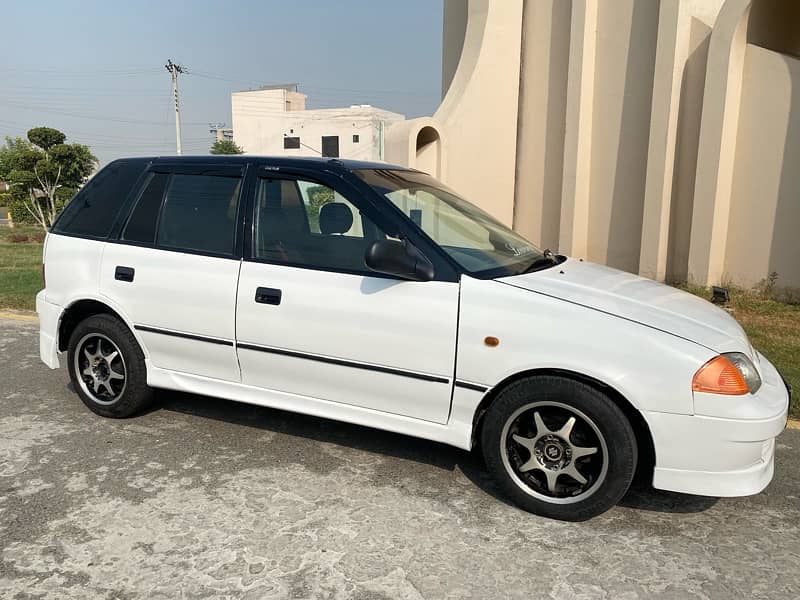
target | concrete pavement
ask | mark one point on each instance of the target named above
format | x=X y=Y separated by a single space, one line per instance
x=206 y=498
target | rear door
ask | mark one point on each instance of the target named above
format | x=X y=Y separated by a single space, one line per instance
x=314 y=321
x=175 y=267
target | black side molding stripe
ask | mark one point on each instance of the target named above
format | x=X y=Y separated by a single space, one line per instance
x=187 y=336
x=471 y=386
x=343 y=362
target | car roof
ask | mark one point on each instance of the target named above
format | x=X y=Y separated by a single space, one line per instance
x=301 y=162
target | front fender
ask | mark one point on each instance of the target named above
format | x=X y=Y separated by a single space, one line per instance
x=652 y=369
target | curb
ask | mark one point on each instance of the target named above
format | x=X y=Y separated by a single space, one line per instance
x=792 y=424
x=19 y=315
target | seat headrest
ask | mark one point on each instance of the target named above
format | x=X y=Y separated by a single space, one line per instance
x=335 y=217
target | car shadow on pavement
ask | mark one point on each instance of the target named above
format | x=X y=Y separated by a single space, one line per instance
x=641 y=495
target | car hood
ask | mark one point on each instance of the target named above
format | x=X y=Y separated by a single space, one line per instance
x=638 y=299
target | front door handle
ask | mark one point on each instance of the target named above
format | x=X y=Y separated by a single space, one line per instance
x=124 y=273
x=265 y=295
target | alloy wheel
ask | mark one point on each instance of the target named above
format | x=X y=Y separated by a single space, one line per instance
x=554 y=452
x=100 y=367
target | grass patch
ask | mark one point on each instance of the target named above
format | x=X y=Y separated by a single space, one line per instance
x=774 y=330
x=20 y=267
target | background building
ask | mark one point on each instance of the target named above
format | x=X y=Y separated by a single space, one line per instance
x=660 y=137
x=220 y=132
x=274 y=121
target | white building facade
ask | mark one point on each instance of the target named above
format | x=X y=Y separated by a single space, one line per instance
x=274 y=121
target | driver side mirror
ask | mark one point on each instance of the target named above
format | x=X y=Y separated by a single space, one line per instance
x=400 y=259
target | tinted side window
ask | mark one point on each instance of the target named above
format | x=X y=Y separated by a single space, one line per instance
x=305 y=224
x=199 y=214
x=93 y=210
x=142 y=223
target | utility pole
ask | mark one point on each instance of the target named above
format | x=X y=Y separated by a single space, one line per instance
x=174 y=70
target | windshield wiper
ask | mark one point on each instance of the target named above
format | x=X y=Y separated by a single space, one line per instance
x=547 y=260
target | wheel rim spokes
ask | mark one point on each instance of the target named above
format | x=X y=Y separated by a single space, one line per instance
x=101 y=367
x=551 y=452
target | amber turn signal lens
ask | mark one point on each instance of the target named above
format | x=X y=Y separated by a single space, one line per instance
x=491 y=341
x=720 y=376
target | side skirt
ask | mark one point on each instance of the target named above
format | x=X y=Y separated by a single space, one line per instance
x=457 y=432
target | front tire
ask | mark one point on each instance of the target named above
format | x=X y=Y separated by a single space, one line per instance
x=107 y=369
x=559 y=448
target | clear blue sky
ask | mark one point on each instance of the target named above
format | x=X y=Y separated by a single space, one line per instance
x=94 y=69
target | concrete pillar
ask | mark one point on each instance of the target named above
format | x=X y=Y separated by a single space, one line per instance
x=671 y=55
x=717 y=149
x=540 y=125
x=575 y=195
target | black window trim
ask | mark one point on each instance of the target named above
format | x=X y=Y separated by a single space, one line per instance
x=215 y=170
x=146 y=181
x=367 y=205
x=121 y=210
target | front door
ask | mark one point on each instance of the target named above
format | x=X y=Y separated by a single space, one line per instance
x=312 y=320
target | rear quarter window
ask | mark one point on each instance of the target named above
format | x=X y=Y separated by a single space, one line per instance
x=93 y=210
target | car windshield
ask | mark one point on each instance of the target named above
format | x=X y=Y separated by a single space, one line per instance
x=483 y=246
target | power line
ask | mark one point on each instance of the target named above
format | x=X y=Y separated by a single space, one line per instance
x=13 y=104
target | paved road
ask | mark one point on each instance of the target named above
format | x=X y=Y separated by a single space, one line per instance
x=203 y=498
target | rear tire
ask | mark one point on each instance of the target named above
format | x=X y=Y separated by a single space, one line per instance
x=107 y=369
x=559 y=448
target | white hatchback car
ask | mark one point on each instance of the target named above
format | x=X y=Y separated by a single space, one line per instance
x=372 y=294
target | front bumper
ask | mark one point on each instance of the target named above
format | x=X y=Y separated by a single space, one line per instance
x=49 y=318
x=731 y=454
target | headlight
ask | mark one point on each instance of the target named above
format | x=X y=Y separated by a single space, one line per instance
x=731 y=374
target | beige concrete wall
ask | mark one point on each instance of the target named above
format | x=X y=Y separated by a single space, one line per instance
x=542 y=120
x=681 y=200
x=479 y=113
x=765 y=207
x=627 y=31
x=644 y=134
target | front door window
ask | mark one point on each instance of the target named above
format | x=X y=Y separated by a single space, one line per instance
x=307 y=224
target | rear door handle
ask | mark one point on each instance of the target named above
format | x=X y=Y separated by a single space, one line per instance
x=124 y=273
x=265 y=295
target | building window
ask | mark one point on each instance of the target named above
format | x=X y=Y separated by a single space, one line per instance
x=291 y=143
x=355 y=138
x=330 y=146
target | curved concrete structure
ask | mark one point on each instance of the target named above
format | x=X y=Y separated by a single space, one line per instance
x=715 y=159
x=656 y=137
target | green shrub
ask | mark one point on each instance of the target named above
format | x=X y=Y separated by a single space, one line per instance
x=318 y=196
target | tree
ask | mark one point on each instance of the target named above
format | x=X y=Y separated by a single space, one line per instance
x=226 y=147
x=46 y=137
x=43 y=172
